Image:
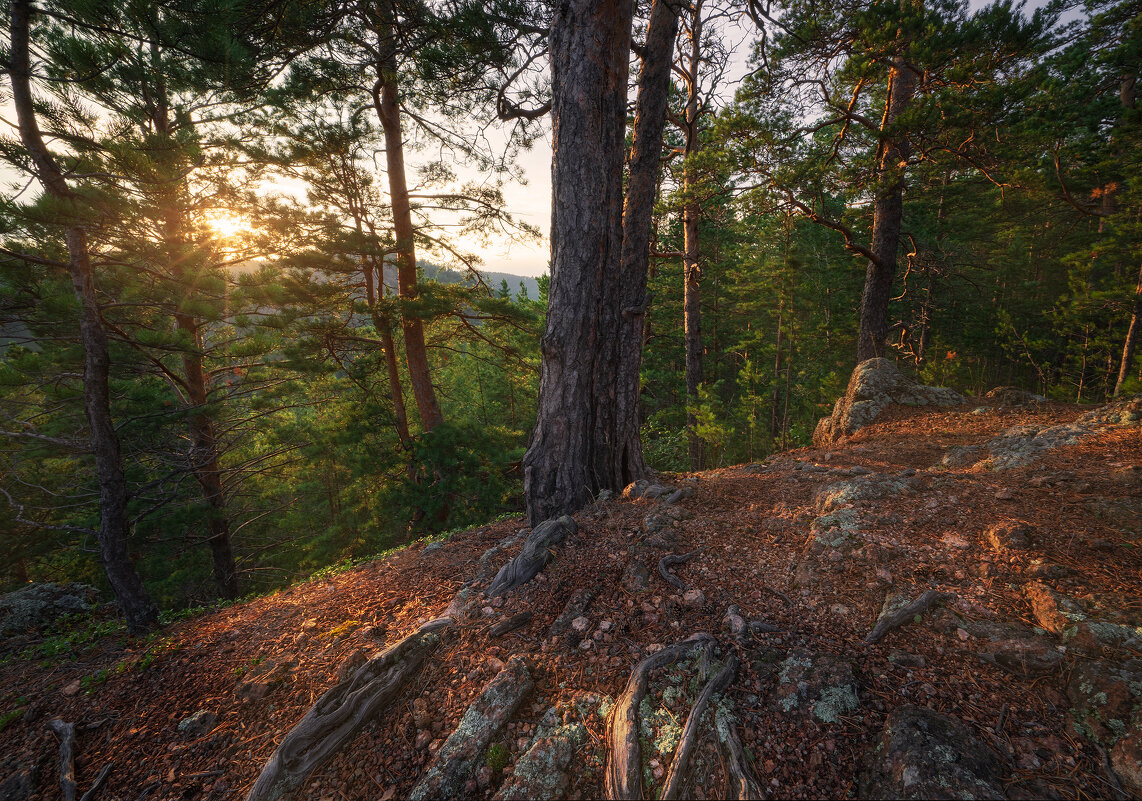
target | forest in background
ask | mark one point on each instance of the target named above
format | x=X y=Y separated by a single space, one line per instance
x=285 y=385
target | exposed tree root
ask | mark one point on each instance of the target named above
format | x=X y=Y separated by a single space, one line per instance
x=668 y=561
x=778 y=593
x=676 y=777
x=465 y=748
x=886 y=622
x=341 y=712
x=66 y=733
x=91 y=791
x=622 y=778
x=741 y=783
x=535 y=555
x=511 y=624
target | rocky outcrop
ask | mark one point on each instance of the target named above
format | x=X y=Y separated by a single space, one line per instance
x=876 y=384
x=37 y=606
x=1013 y=396
x=925 y=754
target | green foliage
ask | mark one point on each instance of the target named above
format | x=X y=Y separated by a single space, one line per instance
x=498 y=757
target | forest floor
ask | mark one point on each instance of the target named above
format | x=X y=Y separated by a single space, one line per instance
x=254 y=669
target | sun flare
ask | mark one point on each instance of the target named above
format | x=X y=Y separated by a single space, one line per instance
x=226 y=225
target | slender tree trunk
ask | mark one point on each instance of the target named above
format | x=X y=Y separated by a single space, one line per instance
x=638 y=209
x=386 y=99
x=114 y=523
x=1131 y=338
x=887 y=215
x=692 y=272
x=204 y=457
x=573 y=452
x=385 y=330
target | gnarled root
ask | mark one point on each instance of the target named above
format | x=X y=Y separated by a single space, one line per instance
x=622 y=778
x=887 y=622
x=66 y=733
x=535 y=555
x=676 y=778
x=341 y=712
x=741 y=783
x=668 y=561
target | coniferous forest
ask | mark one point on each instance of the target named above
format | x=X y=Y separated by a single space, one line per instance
x=229 y=357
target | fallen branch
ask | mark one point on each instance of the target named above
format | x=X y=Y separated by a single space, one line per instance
x=668 y=561
x=676 y=777
x=91 y=791
x=741 y=783
x=886 y=622
x=511 y=624
x=623 y=775
x=778 y=593
x=66 y=733
x=341 y=712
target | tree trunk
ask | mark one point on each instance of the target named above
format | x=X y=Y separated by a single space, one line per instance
x=692 y=273
x=573 y=452
x=385 y=330
x=114 y=524
x=887 y=215
x=204 y=458
x=1131 y=338
x=386 y=101
x=638 y=209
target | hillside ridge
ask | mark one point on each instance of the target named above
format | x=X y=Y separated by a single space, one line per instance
x=1013 y=531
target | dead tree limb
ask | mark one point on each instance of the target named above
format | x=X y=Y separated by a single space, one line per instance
x=341 y=712
x=622 y=779
x=741 y=782
x=94 y=788
x=66 y=733
x=676 y=777
x=888 y=621
x=668 y=561
x=511 y=624
x=535 y=555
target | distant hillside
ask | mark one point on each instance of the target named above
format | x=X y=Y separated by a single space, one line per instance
x=494 y=280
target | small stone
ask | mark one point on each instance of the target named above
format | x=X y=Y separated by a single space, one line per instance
x=963 y=634
x=586 y=645
x=488 y=611
x=606 y=625
x=309 y=625
x=197 y=725
x=497 y=602
x=955 y=541
x=883 y=575
x=905 y=659
x=421 y=717
x=71 y=688
x=1005 y=494
x=580 y=625
x=693 y=599
x=423 y=738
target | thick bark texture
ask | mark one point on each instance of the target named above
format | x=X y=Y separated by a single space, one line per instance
x=887 y=215
x=114 y=524
x=385 y=330
x=691 y=270
x=386 y=98
x=573 y=451
x=638 y=208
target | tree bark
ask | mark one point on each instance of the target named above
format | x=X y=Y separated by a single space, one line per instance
x=386 y=99
x=887 y=215
x=385 y=330
x=114 y=524
x=638 y=209
x=691 y=271
x=573 y=451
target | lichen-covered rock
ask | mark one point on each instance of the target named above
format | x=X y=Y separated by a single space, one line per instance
x=1013 y=396
x=542 y=771
x=815 y=686
x=37 y=606
x=1026 y=657
x=1053 y=611
x=925 y=754
x=1124 y=514
x=1126 y=757
x=962 y=456
x=1008 y=536
x=873 y=386
x=458 y=758
x=871 y=487
x=1104 y=699
x=198 y=724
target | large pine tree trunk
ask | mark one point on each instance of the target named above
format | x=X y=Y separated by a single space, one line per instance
x=887 y=215
x=638 y=208
x=691 y=271
x=573 y=451
x=386 y=99
x=114 y=524
x=385 y=330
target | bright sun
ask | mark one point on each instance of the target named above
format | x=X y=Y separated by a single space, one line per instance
x=227 y=225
